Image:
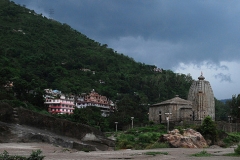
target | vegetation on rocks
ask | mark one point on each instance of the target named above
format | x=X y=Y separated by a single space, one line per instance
x=34 y=156
x=141 y=138
x=232 y=138
x=237 y=150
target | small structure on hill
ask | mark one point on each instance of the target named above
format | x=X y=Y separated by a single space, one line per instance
x=202 y=98
x=175 y=109
x=97 y=100
x=58 y=103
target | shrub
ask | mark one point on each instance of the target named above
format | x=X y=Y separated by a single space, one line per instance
x=148 y=137
x=128 y=137
x=237 y=150
x=202 y=154
x=140 y=138
x=232 y=138
x=34 y=156
x=153 y=128
x=145 y=138
x=208 y=129
x=125 y=141
x=181 y=129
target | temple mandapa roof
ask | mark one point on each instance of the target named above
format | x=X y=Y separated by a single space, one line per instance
x=175 y=100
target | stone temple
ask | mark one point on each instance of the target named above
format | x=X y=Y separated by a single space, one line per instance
x=177 y=109
x=202 y=98
x=200 y=104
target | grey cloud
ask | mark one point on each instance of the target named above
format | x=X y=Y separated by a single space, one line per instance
x=202 y=30
x=213 y=66
x=223 y=77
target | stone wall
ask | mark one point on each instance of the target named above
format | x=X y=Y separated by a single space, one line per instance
x=58 y=126
x=221 y=125
x=228 y=127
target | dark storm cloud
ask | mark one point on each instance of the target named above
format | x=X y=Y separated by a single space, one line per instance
x=185 y=36
x=202 y=30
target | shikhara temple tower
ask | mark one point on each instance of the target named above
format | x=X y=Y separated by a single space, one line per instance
x=201 y=95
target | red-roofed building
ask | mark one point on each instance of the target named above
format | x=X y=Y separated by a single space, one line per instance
x=95 y=99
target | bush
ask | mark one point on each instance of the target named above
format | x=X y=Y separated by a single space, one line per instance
x=237 y=150
x=202 y=154
x=125 y=141
x=208 y=129
x=145 y=138
x=232 y=138
x=181 y=129
x=153 y=128
x=140 y=138
x=34 y=156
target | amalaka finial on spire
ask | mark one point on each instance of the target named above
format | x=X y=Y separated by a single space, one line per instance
x=201 y=77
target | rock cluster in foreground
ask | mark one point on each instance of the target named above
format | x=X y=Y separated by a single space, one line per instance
x=188 y=139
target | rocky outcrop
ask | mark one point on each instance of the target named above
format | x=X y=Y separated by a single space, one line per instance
x=22 y=125
x=188 y=139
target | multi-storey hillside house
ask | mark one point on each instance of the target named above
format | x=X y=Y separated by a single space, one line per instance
x=57 y=103
x=95 y=99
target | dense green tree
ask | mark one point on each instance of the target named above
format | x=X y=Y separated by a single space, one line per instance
x=234 y=107
x=208 y=129
x=221 y=111
x=90 y=115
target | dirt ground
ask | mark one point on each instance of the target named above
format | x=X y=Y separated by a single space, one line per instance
x=58 y=153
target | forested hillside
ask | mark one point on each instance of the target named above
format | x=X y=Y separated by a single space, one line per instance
x=38 y=53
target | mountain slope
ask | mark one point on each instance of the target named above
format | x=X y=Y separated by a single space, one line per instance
x=38 y=53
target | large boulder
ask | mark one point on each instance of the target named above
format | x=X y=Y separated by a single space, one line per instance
x=188 y=139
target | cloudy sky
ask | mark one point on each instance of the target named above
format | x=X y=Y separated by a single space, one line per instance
x=184 y=36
